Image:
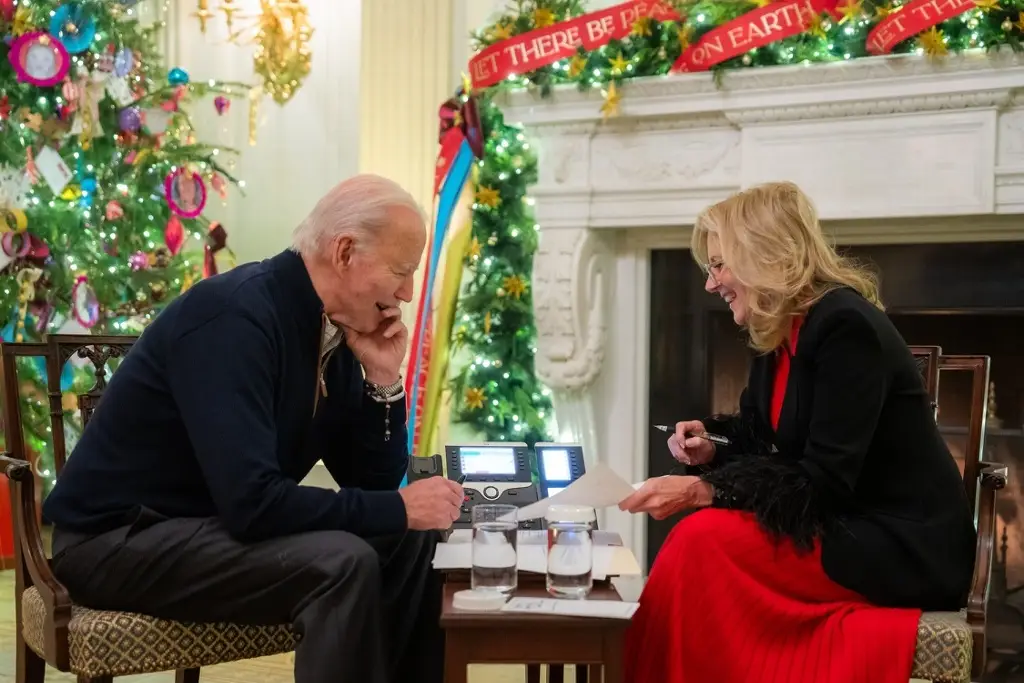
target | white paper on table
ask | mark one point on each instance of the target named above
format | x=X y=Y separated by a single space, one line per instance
x=599 y=487
x=603 y=609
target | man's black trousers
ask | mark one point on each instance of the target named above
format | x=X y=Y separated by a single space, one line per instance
x=366 y=610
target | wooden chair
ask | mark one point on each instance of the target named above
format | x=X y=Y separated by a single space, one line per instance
x=95 y=645
x=951 y=645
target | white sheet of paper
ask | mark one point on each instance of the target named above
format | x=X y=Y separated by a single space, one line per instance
x=600 y=487
x=605 y=609
x=53 y=169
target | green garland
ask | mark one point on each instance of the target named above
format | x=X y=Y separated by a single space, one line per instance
x=496 y=392
x=109 y=222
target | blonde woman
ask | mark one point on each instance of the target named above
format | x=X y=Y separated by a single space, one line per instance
x=836 y=514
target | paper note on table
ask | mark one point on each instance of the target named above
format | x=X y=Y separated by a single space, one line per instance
x=599 y=488
x=602 y=609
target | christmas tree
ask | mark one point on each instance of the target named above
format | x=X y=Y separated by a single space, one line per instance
x=102 y=183
x=497 y=393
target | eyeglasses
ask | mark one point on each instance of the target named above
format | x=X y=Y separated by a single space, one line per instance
x=712 y=270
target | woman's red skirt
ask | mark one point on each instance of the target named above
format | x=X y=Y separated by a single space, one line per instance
x=726 y=604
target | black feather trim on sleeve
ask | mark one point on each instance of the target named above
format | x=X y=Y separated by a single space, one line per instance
x=779 y=493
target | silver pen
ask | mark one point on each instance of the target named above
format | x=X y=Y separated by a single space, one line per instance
x=713 y=438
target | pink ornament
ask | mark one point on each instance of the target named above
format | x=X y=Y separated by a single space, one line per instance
x=221 y=104
x=114 y=211
x=129 y=158
x=138 y=261
x=219 y=186
x=174 y=235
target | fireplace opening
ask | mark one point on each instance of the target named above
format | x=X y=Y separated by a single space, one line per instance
x=967 y=298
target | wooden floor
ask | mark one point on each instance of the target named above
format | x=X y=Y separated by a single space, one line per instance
x=277 y=669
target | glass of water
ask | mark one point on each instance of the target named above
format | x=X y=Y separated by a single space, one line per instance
x=495 y=560
x=570 y=551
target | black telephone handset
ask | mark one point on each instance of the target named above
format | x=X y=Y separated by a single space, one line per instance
x=424 y=467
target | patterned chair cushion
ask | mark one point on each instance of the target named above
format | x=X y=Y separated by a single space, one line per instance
x=944 y=648
x=122 y=643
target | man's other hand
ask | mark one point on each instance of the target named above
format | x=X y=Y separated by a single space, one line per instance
x=432 y=503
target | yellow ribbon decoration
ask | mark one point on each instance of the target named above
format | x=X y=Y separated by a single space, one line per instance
x=255 y=95
x=26 y=280
x=13 y=220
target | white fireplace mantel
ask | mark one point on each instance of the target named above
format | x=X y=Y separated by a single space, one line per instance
x=890 y=149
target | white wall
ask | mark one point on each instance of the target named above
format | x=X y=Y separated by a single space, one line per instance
x=303 y=147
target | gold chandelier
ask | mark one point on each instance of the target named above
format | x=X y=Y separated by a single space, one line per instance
x=281 y=33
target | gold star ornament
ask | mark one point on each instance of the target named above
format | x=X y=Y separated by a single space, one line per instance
x=502 y=31
x=576 y=65
x=473 y=251
x=488 y=196
x=474 y=398
x=851 y=10
x=933 y=42
x=543 y=17
x=642 y=27
x=987 y=5
x=618 y=64
x=611 y=101
x=514 y=285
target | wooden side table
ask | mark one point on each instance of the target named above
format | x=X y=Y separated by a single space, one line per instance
x=510 y=638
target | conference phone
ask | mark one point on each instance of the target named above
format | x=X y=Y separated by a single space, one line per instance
x=501 y=473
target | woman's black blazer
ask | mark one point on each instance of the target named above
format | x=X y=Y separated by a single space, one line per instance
x=857 y=461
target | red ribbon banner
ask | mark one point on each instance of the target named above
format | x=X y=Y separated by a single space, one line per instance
x=543 y=46
x=765 y=25
x=914 y=18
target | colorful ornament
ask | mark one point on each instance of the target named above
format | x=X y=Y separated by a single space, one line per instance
x=114 y=211
x=161 y=256
x=611 y=101
x=514 y=285
x=186 y=192
x=72 y=26
x=129 y=119
x=174 y=235
x=85 y=307
x=138 y=261
x=124 y=61
x=104 y=61
x=219 y=186
x=488 y=196
x=475 y=398
x=38 y=59
x=221 y=104
x=177 y=76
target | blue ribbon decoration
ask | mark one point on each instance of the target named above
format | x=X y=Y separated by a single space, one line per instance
x=448 y=199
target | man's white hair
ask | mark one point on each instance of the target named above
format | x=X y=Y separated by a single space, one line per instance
x=357 y=207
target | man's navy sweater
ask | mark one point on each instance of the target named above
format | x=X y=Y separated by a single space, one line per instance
x=212 y=414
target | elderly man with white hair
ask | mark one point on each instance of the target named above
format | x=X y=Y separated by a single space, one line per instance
x=182 y=499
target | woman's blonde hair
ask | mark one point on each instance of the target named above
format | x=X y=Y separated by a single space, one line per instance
x=773 y=244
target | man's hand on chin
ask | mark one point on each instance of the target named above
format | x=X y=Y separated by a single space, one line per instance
x=382 y=351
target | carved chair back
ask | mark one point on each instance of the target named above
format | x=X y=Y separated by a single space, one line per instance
x=31 y=566
x=56 y=352
x=932 y=363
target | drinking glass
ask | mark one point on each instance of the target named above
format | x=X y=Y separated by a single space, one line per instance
x=570 y=551
x=495 y=560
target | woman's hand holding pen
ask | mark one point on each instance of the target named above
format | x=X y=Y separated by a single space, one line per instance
x=688 y=447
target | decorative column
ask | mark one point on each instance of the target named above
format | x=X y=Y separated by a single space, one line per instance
x=401 y=90
x=572 y=280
